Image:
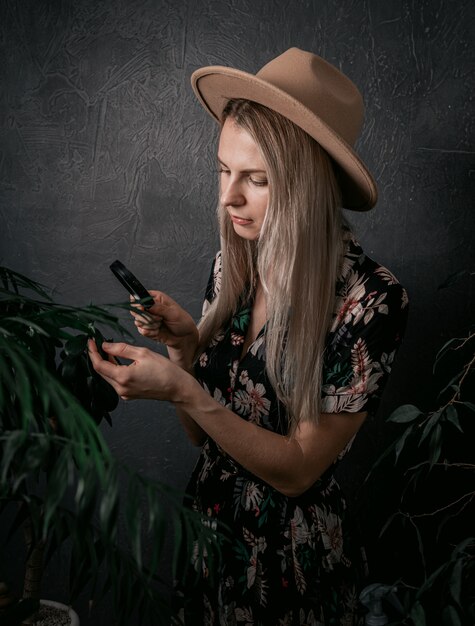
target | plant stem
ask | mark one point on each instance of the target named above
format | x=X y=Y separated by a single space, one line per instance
x=34 y=563
x=467 y=369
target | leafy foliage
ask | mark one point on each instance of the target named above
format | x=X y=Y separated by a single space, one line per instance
x=57 y=471
x=434 y=449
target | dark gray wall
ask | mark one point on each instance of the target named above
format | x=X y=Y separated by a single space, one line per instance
x=105 y=154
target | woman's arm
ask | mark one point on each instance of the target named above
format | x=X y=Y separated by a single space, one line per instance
x=290 y=465
x=168 y=323
x=195 y=433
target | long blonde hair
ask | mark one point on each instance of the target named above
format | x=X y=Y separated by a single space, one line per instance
x=297 y=258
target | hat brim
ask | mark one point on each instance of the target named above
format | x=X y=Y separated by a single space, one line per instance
x=215 y=85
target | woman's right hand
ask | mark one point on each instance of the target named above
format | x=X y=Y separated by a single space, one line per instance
x=166 y=322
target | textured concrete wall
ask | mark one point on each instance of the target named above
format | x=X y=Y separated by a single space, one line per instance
x=105 y=154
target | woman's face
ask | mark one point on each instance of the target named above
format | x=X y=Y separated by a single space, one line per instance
x=244 y=189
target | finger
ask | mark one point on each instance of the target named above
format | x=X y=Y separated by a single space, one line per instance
x=161 y=303
x=142 y=317
x=154 y=324
x=125 y=350
x=138 y=309
x=162 y=298
x=105 y=368
x=135 y=304
x=156 y=334
x=159 y=298
x=159 y=312
x=92 y=350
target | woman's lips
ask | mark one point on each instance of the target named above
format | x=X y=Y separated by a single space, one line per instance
x=240 y=220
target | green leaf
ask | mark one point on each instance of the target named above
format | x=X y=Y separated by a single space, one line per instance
x=34 y=456
x=69 y=367
x=17 y=280
x=76 y=345
x=452 y=417
x=435 y=445
x=109 y=506
x=14 y=443
x=59 y=479
x=388 y=523
x=134 y=522
x=456 y=581
x=158 y=542
x=59 y=532
x=85 y=560
x=420 y=545
x=451 y=384
x=445 y=348
x=462 y=546
x=20 y=364
x=404 y=414
x=450 y=616
x=430 y=424
x=439 y=573
x=104 y=398
x=418 y=615
x=400 y=443
x=86 y=495
x=21 y=516
x=30 y=325
x=177 y=544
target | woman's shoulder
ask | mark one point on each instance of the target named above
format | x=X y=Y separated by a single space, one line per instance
x=361 y=276
x=216 y=272
x=214 y=281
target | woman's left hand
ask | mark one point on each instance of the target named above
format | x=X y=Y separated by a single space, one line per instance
x=148 y=376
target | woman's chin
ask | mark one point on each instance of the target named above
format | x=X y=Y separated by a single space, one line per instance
x=249 y=232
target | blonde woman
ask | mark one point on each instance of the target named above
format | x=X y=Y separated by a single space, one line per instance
x=298 y=335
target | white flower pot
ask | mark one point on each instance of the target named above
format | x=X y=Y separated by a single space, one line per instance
x=55 y=614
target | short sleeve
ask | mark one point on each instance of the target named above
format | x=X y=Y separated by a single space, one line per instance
x=214 y=283
x=368 y=326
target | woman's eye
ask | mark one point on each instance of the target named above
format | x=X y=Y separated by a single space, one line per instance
x=258 y=182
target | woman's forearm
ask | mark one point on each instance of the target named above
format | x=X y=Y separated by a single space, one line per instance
x=194 y=432
x=290 y=464
x=184 y=355
x=272 y=457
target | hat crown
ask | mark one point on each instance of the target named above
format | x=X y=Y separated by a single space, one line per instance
x=320 y=87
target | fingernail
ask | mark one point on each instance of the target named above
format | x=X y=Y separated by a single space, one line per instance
x=105 y=344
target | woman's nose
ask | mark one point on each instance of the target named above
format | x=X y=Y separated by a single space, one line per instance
x=231 y=194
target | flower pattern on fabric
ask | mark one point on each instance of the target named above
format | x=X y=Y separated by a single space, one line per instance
x=290 y=561
x=252 y=401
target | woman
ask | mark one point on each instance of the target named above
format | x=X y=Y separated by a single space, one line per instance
x=296 y=342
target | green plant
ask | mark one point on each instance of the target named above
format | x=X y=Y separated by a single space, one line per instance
x=57 y=471
x=433 y=451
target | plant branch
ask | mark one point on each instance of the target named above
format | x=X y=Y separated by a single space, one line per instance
x=445 y=465
x=466 y=369
x=466 y=496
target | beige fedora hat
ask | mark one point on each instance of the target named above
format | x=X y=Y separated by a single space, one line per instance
x=313 y=94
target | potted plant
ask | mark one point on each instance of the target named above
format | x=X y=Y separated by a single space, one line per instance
x=429 y=537
x=58 y=474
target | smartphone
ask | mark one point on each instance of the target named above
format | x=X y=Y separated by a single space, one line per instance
x=132 y=284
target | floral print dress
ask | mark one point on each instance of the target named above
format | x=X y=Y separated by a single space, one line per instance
x=290 y=561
